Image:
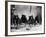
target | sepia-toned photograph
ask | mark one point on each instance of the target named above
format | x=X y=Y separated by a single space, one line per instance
x=25 y=18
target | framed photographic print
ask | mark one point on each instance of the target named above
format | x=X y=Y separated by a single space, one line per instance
x=24 y=18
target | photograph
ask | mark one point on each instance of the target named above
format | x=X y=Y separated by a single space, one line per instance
x=25 y=18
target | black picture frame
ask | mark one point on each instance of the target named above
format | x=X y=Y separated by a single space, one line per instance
x=6 y=18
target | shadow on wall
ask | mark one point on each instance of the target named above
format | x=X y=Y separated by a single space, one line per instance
x=9 y=36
